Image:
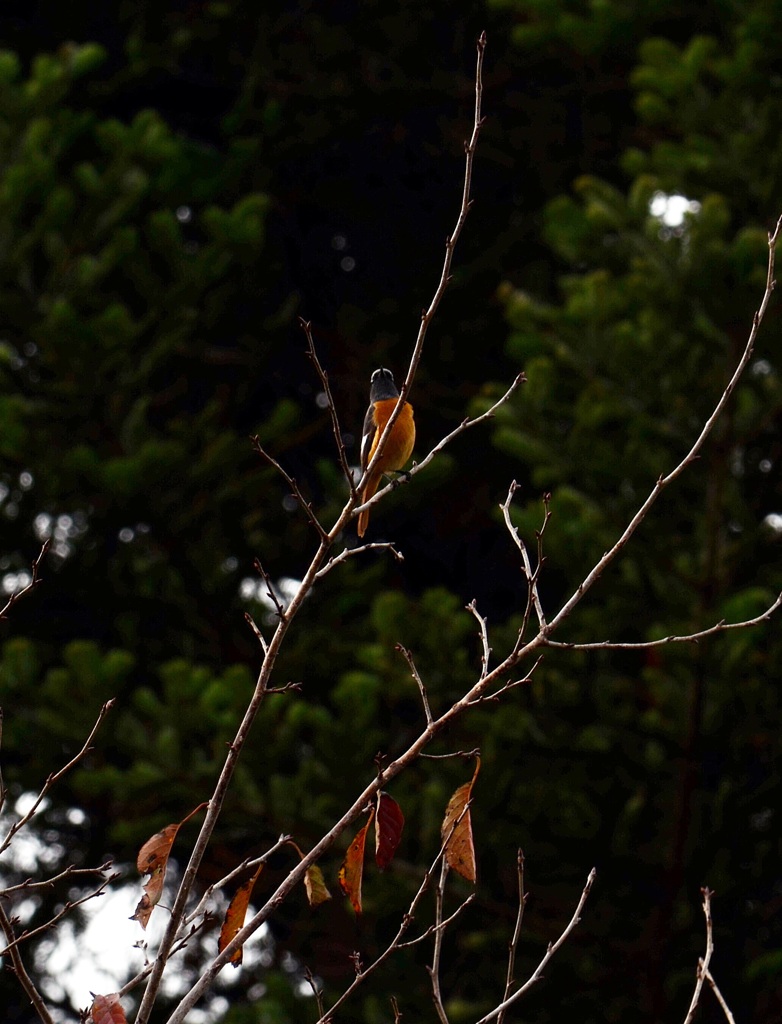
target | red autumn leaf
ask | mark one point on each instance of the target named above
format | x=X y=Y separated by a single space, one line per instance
x=234 y=916
x=456 y=830
x=315 y=885
x=389 y=822
x=152 y=860
x=107 y=1010
x=352 y=869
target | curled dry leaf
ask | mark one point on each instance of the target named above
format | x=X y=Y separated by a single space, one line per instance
x=389 y=822
x=315 y=885
x=152 y=860
x=456 y=830
x=352 y=870
x=107 y=1010
x=235 y=915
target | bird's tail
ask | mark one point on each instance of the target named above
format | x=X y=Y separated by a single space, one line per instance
x=369 y=490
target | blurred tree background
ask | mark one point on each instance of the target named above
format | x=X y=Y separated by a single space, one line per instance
x=177 y=185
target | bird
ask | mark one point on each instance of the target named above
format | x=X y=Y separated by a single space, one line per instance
x=383 y=397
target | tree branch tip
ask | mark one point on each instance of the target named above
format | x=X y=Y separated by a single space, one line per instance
x=482 y=43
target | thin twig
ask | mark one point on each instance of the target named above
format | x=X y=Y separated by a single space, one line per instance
x=466 y=754
x=247 y=864
x=434 y=970
x=690 y=638
x=34 y=581
x=359 y=550
x=306 y=326
x=259 y=635
x=407 y=655
x=295 y=491
x=537 y=974
x=70 y=872
x=514 y=942
x=317 y=991
x=66 y=909
x=663 y=481
x=445 y=275
x=56 y=776
x=17 y=965
x=533 y=598
x=279 y=607
x=703 y=964
x=720 y=998
x=484 y=634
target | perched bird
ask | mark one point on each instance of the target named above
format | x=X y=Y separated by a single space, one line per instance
x=383 y=397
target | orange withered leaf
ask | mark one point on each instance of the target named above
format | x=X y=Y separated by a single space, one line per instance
x=352 y=870
x=389 y=822
x=315 y=885
x=152 y=860
x=234 y=916
x=456 y=830
x=107 y=1010
x=154 y=853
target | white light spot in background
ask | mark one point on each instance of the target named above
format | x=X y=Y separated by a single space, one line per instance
x=774 y=522
x=672 y=209
x=184 y=214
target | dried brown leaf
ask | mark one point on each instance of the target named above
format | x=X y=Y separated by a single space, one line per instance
x=456 y=830
x=152 y=860
x=235 y=915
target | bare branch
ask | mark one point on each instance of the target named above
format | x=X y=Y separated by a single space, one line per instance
x=445 y=276
x=359 y=550
x=317 y=991
x=17 y=965
x=55 y=777
x=703 y=964
x=259 y=635
x=689 y=638
x=466 y=754
x=533 y=598
x=247 y=864
x=71 y=871
x=537 y=974
x=407 y=655
x=514 y=942
x=66 y=909
x=34 y=581
x=663 y=481
x=295 y=491
x=720 y=998
x=271 y=592
x=306 y=326
x=484 y=634
x=434 y=970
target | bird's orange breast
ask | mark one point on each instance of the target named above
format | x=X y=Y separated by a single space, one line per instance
x=399 y=446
